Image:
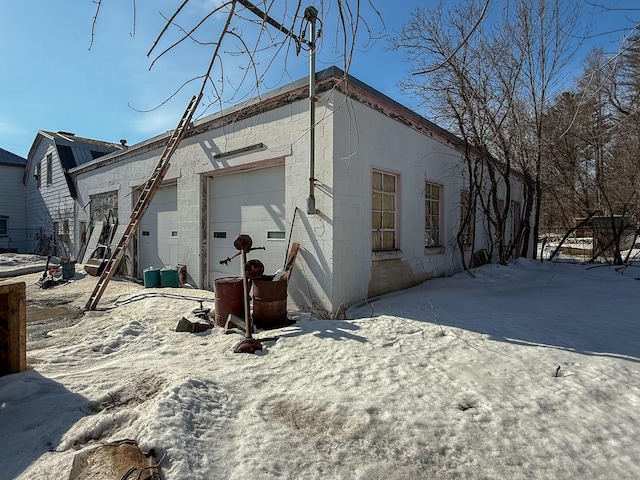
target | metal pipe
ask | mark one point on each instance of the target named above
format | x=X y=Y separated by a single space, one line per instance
x=311 y=15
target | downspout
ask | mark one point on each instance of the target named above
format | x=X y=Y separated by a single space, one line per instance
x=311 y=15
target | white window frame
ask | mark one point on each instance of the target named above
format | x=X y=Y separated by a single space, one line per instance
x=428 y=203
x=380 y=212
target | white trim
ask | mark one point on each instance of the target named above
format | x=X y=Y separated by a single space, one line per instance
x=272 y=162
x=397 y=207
x=269 y=157
x=111 y=188
x=386 y=255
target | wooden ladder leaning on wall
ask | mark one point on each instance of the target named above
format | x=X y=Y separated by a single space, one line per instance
x=148 y=192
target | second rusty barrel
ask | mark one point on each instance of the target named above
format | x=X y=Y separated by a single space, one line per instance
x=269 y=302
x=228 y=299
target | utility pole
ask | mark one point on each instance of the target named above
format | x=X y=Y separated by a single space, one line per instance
x=311 y=16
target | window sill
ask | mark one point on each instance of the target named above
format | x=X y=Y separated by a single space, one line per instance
x=386 y=255
x=433 y=250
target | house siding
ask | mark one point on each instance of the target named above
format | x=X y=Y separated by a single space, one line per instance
x=53 y=201
x=48 y=204
x=13 y=206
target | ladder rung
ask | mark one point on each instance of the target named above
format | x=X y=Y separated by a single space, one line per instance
x=143 y=202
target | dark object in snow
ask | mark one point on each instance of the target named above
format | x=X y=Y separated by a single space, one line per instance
x=557 y=372
x=248 y=345
x=98 y=260
x=464 y=406
x=121 y=459
x=185 y=325
x=202 y=313
x=51 y=277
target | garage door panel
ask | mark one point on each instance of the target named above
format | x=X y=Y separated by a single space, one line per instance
x=251 y=203
x=158 y=231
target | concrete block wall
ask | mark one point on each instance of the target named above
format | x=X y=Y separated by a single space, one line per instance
x=366 y=139
x=335 y=266
x=285 y=133
x=123 y=177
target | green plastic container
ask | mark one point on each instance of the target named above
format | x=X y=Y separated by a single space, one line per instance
x=151 y=277
x=68 y=270
x=169 y=277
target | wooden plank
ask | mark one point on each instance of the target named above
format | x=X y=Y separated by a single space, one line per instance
x=115 y=240
x=93 y=241
x=13 y=327
x=291 y=260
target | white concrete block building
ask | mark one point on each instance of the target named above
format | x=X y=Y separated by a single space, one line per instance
x=387 y=193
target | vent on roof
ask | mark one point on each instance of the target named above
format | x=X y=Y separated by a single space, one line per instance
x=71 y=134
x=123 y=142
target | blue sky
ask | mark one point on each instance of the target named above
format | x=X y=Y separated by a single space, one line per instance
x=50 y=79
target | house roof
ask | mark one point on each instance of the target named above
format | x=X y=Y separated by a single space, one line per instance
x=97 y=148
x=72 y=151
x=332 y=77
x=8 y=158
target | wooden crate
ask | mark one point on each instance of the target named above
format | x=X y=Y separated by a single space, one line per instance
x=13 y=328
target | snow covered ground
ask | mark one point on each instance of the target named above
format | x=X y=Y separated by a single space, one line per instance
x=450 y=379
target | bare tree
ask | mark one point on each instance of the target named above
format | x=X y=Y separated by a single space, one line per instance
x=242 y=41
x=592 y=173
x=493 y=91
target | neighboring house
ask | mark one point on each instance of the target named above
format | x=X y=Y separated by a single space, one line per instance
x=50 y=193
x=13 y=216
x=388 y=186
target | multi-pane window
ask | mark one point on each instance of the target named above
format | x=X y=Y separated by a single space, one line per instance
x=432 y=204
x=467 y=218
x=38 y=174
x=383 y=211
x=49 y=169
x=4 y=226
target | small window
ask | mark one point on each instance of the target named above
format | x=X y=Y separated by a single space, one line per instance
x=4 y=226
x=383 y=211
x=174 y=233
x=433 y=203
x=49 y=169
x=145 y=233
x=38 y=175
x=276 y=235
x=219 y=234
x=65 y=231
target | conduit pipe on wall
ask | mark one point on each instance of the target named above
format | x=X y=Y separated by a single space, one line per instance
x=311 y=16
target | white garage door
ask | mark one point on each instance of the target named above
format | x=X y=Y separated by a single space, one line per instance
x=158 y=231
x=251 y=203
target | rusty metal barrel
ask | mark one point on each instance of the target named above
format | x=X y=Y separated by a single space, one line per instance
x=229 y=294
x=269 y=302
